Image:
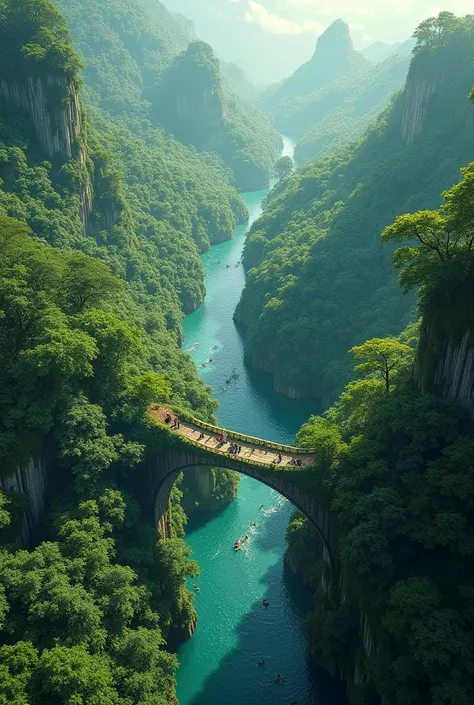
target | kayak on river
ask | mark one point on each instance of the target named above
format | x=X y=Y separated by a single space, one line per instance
x=239 y=542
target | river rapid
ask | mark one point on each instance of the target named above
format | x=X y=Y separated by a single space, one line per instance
x=218 y=666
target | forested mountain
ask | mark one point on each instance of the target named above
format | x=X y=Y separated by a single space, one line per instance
x=341 y=112
x=379 y=51
x=131 y=51
x=332 y=99
x=333 y=58
x=321 y=281
x=395 y=465
x=95 y=271
x=192 y=103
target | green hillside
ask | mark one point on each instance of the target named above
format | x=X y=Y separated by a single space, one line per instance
x=340 y=113
x=333 y=58
x=133 y=54
x=100 y=232
x=321 y=281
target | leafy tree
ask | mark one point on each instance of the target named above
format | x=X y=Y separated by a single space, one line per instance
x=17 y=662
x=71 y=675
x=284 y=167
x=385 y=357
x=5 y=517
x=88 y=282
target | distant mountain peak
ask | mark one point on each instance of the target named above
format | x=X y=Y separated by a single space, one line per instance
x=337 y=34
x=334 y=42
x=333 y=58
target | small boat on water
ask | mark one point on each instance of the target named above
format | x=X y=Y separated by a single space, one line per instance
x=239 y=543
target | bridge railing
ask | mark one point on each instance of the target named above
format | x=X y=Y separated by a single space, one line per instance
x=237 y=458
x=211 y=428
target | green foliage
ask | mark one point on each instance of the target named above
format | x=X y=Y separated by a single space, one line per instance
x=190 y=101
x=320 y=281
x=341 y=112
x=385 y=357
x=304 y=552
x=402 y=492
x=440 y=243
x=225 y=484
x=284 y=167
x=35 y=41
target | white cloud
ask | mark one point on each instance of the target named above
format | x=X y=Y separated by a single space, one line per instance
x=274 y=24
x=386 y=20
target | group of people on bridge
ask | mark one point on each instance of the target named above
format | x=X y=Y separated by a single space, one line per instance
x=230 y=446
x=175 y=424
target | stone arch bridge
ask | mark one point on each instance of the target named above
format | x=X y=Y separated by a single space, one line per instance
x=276 y=465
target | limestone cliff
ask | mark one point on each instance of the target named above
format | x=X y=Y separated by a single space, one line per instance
x=333 y=58
x=54 y=107
x=199 y=491
x=448 y=366
x=30 y=480
x=418 y=91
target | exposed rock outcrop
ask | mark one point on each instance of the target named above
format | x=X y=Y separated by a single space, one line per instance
x=54 y=107
x=417 y=94
x=30 y=480
x=448 y=366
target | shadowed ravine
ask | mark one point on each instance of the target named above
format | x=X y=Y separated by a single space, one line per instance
x=219 y=664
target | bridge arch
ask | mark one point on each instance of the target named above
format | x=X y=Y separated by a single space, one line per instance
x=258 y=459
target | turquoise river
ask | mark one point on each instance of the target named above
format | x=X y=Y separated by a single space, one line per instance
x=218 y=666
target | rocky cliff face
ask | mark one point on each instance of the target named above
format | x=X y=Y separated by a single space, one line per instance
x=198 y=486
x=57 y=120
x=30 y=480
x=54 y=107
x=417 y=94
x=448 y=366
x=203 y=108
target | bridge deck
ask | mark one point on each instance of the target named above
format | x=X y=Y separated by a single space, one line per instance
x=253 y=452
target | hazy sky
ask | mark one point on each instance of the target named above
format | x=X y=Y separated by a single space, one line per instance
x=271 y=38
x=385 y=20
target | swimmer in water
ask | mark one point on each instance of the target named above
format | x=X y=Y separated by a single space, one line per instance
x=196 y=588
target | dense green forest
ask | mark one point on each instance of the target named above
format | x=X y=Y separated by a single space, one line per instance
x=132 y=56
x=91 y=307
x=321 y=282
x=340 y=113
x=192 y=102
x=85 y=613
x=396 y=467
